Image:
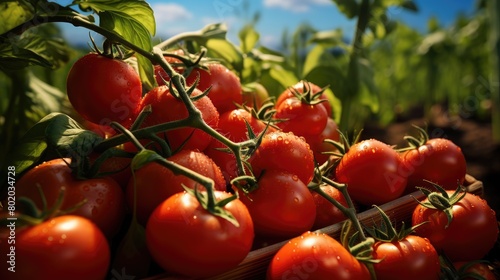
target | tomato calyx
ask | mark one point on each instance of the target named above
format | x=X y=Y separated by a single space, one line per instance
x=386 y=232
x=307 y=96
x=465 y=271
x=441 y=200
x=208 y=201
x=32 y=215
x=414 y=142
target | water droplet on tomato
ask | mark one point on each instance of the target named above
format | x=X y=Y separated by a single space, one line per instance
x=99 y=201
x=50 y=238
x=86 y=188
x=295 y=177
x=296 y=200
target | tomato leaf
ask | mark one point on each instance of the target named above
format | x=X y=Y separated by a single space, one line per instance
x=248 y=38
x=224 y=49
x=14 y=13
x=133 y=20
x=350 y=8
x=68 y=138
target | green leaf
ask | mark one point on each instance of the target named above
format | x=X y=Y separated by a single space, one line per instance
x=248 y=38
x=68 y=138
x=350 y=8
x=133 y=20
x=224 y=49
x=34 y=47
x=14 y=13
x=276 y=79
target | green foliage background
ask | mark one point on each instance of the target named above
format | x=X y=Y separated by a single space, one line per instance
x=386 y=73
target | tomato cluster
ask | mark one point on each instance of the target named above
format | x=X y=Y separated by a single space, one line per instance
x=284 y=183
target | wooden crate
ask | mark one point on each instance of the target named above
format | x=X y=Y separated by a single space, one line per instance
x=254 y=266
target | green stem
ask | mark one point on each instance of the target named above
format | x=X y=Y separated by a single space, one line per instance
x=353 y=71
x=349 y=211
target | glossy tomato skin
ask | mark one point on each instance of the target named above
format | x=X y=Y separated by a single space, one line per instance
x=412 y=258
x=439 y=160
x=471 y=234
x=371 y=170
x=202 y=244
x=318 y=256
x=299 y=87
x=318 y=144
x=479 y=268
x=105 y=202
x=326 y=213
x=232 y=124
x=167 y=108
x=155 y=183
x=225 y=87
x=65 y=247
x=102 y=89
x=301 y=118
x=282 y=205
x=284 y=151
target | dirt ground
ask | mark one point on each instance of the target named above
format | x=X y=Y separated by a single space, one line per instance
x=474 y=137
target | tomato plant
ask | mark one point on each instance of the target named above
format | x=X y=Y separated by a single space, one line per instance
x=287 y=198
x=254 y=95
x=103 y=89
x=437 y=160
x=154 y=183
x=102 y=198
x=64 y=247
x=166 y=107
x=284 y=151
x=184 y=237
x=458 y=224
x=314 y=255
x=370 y=169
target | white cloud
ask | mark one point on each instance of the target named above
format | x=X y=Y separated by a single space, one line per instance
x=297 y=6
x=170 y=13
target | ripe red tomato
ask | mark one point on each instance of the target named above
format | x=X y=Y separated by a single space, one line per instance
x=102 y=89
x=167 y=108
x=155 y=183
x=185 y=238
x=284 y=151
x=160 y=74
x=318 y=256
x=326 y=213
x=301 y=118
x=299 y=87
x=439 y=160
x=412 y=257
x=282 y=205
x=65 y=247
x=370 y=170
x=105 y=202
x=478 y=268
x=232 y=124
x=225 y=87
x=117 y=168
x=316 y=141
x=471 y=233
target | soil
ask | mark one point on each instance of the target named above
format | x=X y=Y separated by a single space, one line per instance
x=475 y=139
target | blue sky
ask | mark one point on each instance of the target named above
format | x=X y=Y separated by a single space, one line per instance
x=177 y=16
